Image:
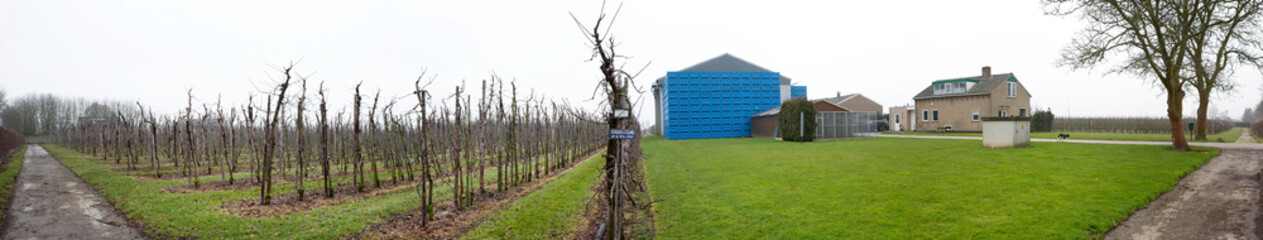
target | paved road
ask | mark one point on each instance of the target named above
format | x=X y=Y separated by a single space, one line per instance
x=51 y=202
x=1220 y=200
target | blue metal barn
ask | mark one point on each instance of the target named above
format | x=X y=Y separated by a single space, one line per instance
x=715 y=98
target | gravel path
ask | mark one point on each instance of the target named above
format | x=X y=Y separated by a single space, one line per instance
x=51 y=202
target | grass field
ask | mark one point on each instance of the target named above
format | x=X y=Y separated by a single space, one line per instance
x=1230 y=135
x=552 y=212
x=887 y=188
x=198 y=215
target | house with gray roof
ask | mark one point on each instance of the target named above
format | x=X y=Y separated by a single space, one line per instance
x=855 y=102
x=959 y=104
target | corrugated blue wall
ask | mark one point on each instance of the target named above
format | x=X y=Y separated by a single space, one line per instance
x=716 y=104
x=797 y=92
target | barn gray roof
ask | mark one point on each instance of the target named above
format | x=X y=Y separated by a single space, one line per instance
x=839 y=99
x=983 y=87
x=728 y=63
x=777 y=110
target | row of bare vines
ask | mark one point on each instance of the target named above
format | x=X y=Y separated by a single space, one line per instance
x=460 y=147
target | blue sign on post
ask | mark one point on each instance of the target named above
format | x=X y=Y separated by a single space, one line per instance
x=622 y=134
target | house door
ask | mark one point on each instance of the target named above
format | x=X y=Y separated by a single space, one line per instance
x=898 y=128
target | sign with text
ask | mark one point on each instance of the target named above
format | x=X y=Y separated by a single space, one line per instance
x=621 y=113
x=622 y=134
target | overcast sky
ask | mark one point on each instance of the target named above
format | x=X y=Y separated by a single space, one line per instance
x=152 y=51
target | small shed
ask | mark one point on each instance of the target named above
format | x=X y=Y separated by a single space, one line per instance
x=1006 y=132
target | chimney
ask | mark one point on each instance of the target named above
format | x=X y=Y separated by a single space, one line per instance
x=839 y=93
x=986 y=71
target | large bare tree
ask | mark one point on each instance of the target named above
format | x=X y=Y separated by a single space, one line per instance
x=1226 y=35
x=1152 y=35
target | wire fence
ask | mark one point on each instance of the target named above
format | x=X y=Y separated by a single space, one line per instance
x=1140 y=125
x=846 y=124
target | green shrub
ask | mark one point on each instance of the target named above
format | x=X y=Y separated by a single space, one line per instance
x=1042 y=121
x=788 y=120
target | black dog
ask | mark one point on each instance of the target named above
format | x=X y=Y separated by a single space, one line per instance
x=1063 y=136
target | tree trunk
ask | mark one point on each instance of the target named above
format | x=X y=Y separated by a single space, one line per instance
x=1175 y=111
x=358 y=178
x=1203 y=102
x=300 y=142
x=324 y=144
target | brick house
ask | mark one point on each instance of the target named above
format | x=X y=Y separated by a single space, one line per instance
x=961 y=103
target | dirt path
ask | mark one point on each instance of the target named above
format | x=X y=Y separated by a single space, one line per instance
x=1218 y=201
x=51 y=202
x=1246 y=137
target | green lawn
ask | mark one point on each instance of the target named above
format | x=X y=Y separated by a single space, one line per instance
x=887 y=188
x=551 y=212
x=9 y=177
x=1230 y=135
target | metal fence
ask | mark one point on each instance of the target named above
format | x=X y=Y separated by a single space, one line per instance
x=846 y=124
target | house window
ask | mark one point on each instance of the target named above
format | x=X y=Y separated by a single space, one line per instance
x=896 y=118
x=936 y=115
x=1012 y=89
x=951 y=87
x=975 y=114
x=1021 y=112
x=925 y=115
x=1004 y=113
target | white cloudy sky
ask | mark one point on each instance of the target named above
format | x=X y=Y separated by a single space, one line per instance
x=151 y=51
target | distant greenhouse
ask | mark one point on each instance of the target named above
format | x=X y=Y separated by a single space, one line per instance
x=715 y=98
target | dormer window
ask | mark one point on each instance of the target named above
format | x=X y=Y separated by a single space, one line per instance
x=949 y=87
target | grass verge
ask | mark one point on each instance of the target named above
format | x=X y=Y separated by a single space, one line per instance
x=889 y=188
x=9 y=177
x=554 y=211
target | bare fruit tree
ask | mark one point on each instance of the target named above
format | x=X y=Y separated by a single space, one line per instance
x=622 y=175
